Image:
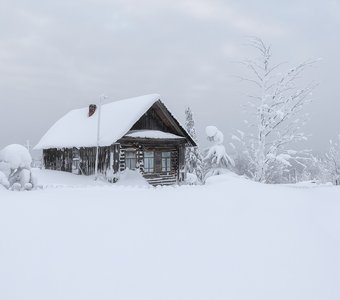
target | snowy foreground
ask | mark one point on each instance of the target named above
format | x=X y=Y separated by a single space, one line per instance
x=231 y=239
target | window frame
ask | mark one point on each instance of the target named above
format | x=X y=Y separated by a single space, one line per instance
x=149 y=162
x=129 y=160
x=166 y=161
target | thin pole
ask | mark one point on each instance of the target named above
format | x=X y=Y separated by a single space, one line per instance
x=98 y=136
x=28 y=145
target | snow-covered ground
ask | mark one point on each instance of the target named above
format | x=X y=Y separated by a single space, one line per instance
x=231 y=239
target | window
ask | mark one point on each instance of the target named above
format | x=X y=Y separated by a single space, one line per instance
x=130 y=160
x=149 y=159
x=166 y=161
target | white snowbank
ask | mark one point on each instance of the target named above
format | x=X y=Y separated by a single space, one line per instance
x=153 y=134
x=226 y=178
x=50 y=179
x=17 y=156
x=132 y=178
x=231 y=239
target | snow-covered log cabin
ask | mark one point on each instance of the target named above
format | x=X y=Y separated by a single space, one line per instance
x=136 y=133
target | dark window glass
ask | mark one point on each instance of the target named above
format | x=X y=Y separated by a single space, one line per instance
x=149 y=161
x=131 y=159
x=166 y=161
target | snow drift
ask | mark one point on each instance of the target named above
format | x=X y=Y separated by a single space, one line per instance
x=230 y=239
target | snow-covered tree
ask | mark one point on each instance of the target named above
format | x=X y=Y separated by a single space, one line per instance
x=193 y=157
x=15 y=168
x=312 y=171
x=332 y=161
x=276 y=111
x=216 y=159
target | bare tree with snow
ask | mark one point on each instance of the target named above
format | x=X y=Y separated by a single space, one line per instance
x=276 y=109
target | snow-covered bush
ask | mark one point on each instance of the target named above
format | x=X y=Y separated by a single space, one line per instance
x=5 y=168
x=191 y=179
x=4 y=180
x=16 y=156
x=216 y=158
x=332 y=162
x=15 y=168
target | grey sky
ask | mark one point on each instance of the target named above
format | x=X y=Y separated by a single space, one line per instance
x=60 y=55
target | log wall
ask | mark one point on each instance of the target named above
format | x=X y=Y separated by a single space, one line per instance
x=82 y=160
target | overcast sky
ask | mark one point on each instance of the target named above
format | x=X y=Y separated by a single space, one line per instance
x=59 y=55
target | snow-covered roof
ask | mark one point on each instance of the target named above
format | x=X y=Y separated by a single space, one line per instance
x=153 y=134
x=77 y=129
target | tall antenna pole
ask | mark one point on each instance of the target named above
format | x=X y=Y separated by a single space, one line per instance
x=101 y=98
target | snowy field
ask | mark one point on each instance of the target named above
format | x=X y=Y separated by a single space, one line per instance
x=231 y=239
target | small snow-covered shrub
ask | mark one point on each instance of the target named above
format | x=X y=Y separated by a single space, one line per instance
x=16 y=156
x=16 y=186
x=216 y=158
x=5 y=168
x=3 y=180
x=191 y=179
x=15 y=168
x=27 y=186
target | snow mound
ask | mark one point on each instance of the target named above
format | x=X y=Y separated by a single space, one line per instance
x=226 y=178
x=17 y=156
x=132 y=178
x=58 y=179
